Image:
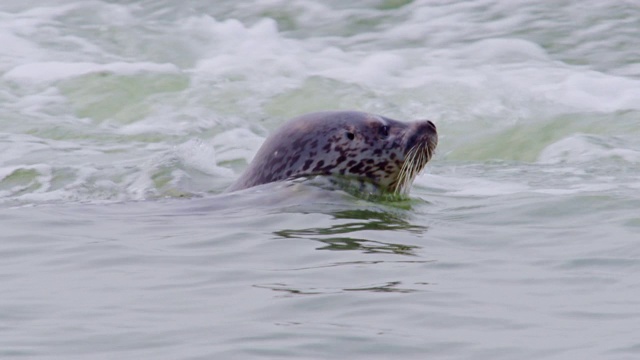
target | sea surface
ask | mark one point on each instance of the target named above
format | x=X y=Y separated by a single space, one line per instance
x=122 y=123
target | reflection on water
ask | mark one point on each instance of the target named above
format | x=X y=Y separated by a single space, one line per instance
x=392 y=286
x=367 y=220
x=388 y=287
x=367 y=246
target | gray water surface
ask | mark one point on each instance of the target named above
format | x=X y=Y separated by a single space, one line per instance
x=122 y=122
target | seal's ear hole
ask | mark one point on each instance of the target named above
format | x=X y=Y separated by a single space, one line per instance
x=350 y=135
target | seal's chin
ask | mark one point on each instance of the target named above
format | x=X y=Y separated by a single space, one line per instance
x=420 y=147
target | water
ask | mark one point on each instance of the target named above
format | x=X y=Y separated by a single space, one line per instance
x=122 y=122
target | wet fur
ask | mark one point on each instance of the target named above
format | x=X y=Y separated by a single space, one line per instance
x=349 y=144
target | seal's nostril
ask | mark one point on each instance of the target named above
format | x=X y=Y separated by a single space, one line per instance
x=426 y=126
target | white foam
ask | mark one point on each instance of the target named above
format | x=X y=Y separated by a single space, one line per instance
x=505 y=51
x=581 y=148
x=504 y=74
x=139 y=185
x=21 y=33
x=513 y=69
x=236 y=144
x=14 y=49
x=47 y=101
x=15 y=147
x=373 y=70
x=239 y=50
x=592 y=90
x=474 y=62
x=201 y=156
x=166 y=121
x=471 y=186
x=55 y=70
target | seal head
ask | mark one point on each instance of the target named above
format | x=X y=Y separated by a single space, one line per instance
x=346 y=144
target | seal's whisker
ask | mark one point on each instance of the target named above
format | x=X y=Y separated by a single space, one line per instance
x=408 y=171
x=415 y=160
x=414 y=166
x=403 y=172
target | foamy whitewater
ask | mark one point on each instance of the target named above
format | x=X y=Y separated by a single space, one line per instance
x=123 y=122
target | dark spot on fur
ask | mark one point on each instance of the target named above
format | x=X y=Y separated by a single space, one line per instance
x=307 y=164
x=351 y=163
x=356 y=168
x=318 y=165
x=279 y=169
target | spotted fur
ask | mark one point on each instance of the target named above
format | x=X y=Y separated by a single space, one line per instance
x=385 y=152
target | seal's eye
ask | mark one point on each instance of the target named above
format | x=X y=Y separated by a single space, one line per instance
x=384 y=131
x=350 y=135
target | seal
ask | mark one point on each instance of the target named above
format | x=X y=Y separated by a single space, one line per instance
x=350 y=145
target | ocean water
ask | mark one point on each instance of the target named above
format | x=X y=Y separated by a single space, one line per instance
x=122 y=122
